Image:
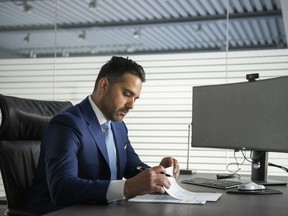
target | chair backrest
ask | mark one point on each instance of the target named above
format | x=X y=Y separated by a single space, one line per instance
x=21 y=128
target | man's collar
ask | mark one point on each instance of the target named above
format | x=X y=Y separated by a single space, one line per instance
x=101 y=118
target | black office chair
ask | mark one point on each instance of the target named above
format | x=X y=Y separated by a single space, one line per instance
x=21 y=128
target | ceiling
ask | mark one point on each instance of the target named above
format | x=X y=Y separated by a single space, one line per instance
x=45 y=28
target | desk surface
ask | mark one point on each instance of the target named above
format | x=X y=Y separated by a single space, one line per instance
x=228 y=204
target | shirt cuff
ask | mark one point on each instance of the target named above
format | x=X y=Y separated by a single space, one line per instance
x=115 y=190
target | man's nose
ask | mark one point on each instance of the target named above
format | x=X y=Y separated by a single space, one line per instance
x=130 y=103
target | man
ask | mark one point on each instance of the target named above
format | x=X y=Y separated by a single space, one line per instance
x=75 y=165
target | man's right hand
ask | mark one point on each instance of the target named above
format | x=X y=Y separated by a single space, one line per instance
x=151 y=180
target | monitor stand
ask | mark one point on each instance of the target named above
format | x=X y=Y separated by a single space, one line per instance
x=259 y=169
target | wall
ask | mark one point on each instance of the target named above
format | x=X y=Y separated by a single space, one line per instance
x=158 y=126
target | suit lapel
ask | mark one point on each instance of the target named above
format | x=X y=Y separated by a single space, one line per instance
x=99 y=137
x=94 y=127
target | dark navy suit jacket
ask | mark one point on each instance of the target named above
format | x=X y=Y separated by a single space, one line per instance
x=73 y=165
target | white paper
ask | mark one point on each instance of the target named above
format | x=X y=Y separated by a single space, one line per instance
x=180 y=193
x=161 y=198
x=177 y=194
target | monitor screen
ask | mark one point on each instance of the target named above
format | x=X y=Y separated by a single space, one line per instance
x=246 y=115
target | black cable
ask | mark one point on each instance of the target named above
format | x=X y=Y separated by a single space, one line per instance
x=245 y=158
x=278 y=166
x=269 y=164
x=234 y=173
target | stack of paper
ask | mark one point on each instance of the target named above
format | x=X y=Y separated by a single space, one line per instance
x=177 y=194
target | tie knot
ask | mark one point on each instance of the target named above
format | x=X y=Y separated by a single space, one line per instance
x=106 y=125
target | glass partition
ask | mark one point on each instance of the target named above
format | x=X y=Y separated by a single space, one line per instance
x=37 y=29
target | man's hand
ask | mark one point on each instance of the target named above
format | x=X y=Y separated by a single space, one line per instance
x=150 y=180
x=168 y=162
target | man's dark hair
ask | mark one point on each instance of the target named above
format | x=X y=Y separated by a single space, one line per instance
x=116 y=67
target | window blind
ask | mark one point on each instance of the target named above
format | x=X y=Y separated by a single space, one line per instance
x=159 y=123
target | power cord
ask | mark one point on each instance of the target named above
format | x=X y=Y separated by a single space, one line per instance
x=278 y=166
x=234 y=173
x=245 y=158
x=269 y=164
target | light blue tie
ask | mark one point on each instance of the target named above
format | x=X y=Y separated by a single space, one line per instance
x=110 y=149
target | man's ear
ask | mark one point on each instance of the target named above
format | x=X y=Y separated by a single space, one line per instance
x=103 y=84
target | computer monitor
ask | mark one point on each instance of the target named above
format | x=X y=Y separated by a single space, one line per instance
x=246 y=115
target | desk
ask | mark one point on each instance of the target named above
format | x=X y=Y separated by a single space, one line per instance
x=228 y=204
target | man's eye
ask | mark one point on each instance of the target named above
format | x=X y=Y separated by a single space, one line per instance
x=127 y=93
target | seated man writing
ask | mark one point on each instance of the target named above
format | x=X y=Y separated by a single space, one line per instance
x=86 y=155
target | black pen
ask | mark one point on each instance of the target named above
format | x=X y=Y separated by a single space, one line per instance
x=140 y=168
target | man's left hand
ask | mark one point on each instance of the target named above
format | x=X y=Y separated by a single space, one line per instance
x=168 y=162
